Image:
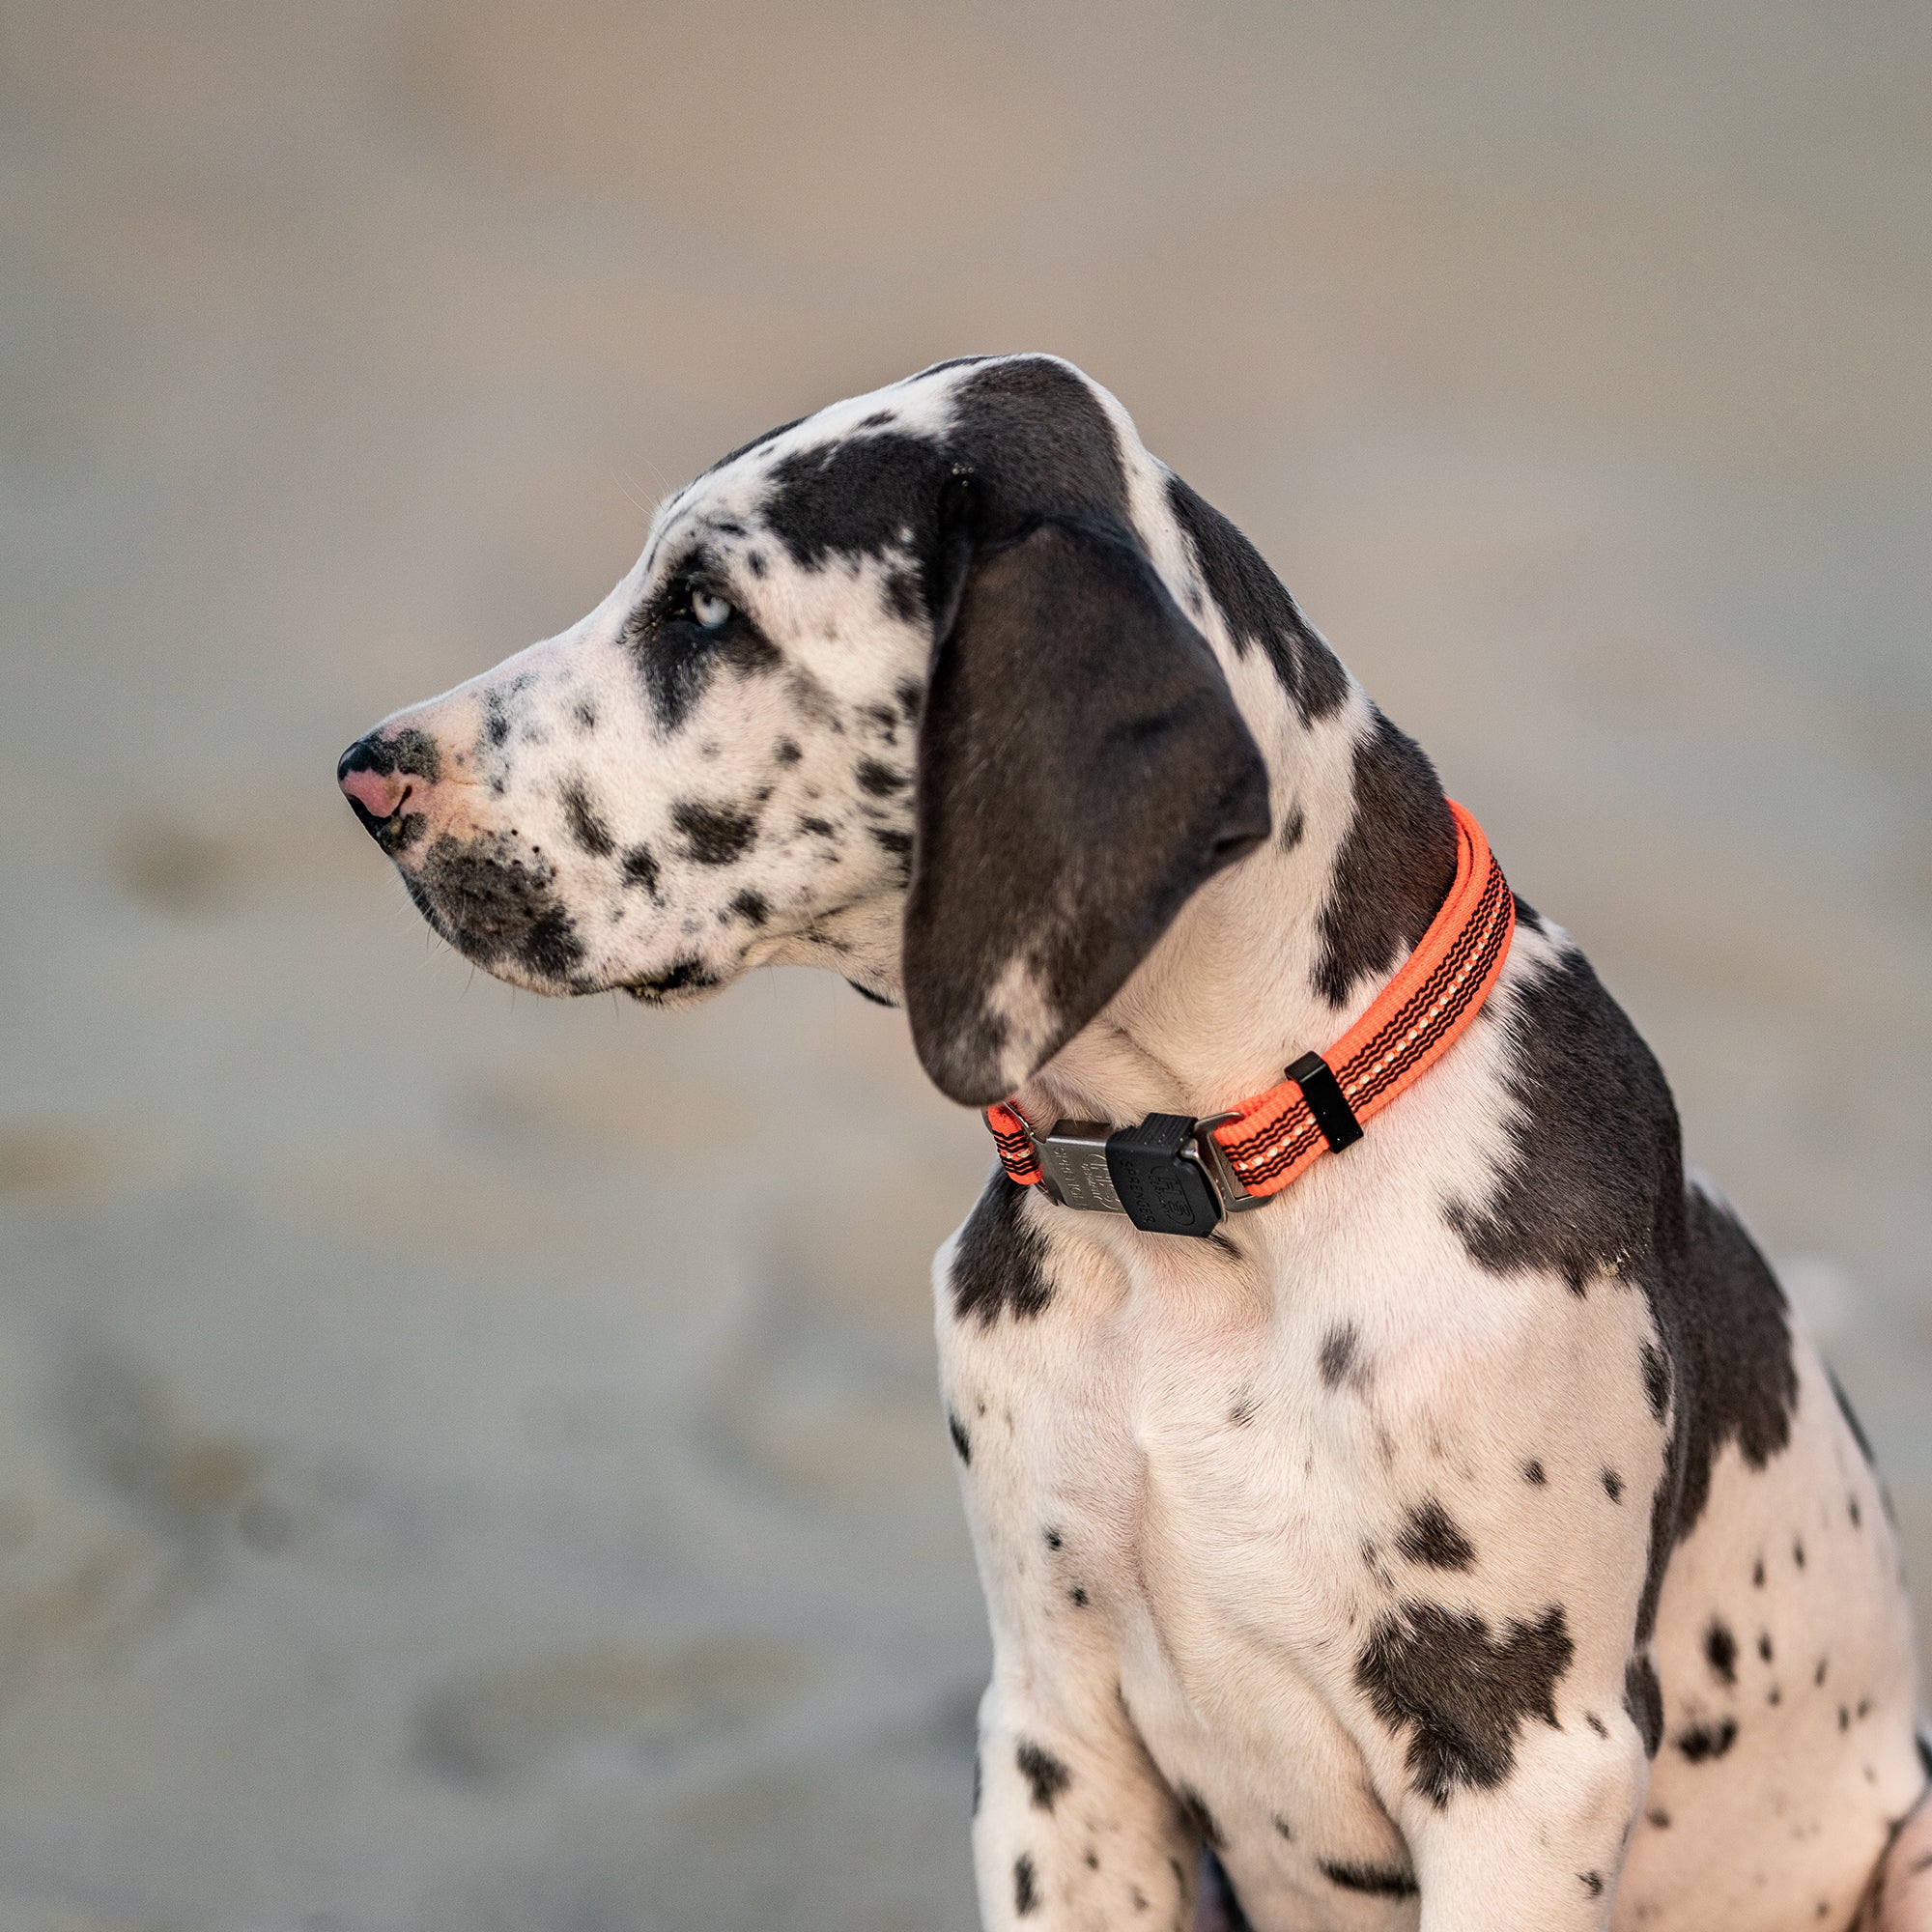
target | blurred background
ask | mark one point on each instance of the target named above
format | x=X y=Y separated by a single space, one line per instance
x=468 y=1463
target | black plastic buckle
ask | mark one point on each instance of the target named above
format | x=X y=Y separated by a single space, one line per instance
x=1327 y=1101
x=1158 y=1179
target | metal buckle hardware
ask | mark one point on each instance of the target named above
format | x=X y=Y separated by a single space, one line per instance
x=1166 y=1175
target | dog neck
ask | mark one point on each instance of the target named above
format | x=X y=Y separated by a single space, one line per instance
x=1281 y=953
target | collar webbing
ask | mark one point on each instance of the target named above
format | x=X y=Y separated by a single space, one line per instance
x=1264 y=1143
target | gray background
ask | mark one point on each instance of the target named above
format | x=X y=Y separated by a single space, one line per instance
x=467 y=1463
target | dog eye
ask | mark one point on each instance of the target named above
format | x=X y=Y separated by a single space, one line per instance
x=710 y=610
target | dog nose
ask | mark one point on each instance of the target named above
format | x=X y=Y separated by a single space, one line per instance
x=369 y=780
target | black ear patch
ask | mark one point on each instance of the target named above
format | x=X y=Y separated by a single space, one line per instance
x=1069 y=696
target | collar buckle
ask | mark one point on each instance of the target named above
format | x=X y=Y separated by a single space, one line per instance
x=1167 y=1175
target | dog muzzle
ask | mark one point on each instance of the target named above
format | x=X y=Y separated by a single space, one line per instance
x=1171 y=1175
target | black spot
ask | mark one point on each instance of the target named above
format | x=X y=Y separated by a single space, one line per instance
x=1844 y=1718
x=1052 y=1537
x=749 y=906
x=904 y=596
x=881 y=780
x=1643 y=1700
x=1025 y=1897
x=1721 y=1651
x=787 y=752
x=1595 y=1187
x=1199 y=1818
x=682 y=976
x=910 y=694
x=1852 y=1509
x=714 y=834
x=1378 y=1880
x=854 y=496
x=1338 y=1352
x=1701 y=1742
x=1461 y=1694
x=1818 y=1675
x=962 y=1443
x=1429 y=1536
x=1797 y=1554
x=1613 y=1486
x=1593 y=1882
x=1077 y=1596
x=1395 y=866
x=1764 y=1645
x=1292 y=828
x=1596 y=1723
x=1532 y=1473
x=1045 y=1773
x=999 y=1266
x=755 y=562
x=1656 y=1379
x=641 y=868
x=818 y=828
x=1282 y=1826
x=1258 y=607
x=1658 y=1817
x=1757 y=1575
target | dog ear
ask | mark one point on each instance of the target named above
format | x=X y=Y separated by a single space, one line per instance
x=1082 y=770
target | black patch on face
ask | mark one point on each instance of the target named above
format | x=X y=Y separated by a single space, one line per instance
x=1025 y=1894
x=1045 y=1773
x=641 y=868
x=1596 y=1723
x=962 y=1443
x=1656 y=1380
x=1338 y=1353
x=678 y=656
x=1200 y=1818
x=494 y=908
x=1764 y=1645
x=1721 y=1651
x=1643 y=1699
x=682 y=976
x=1077 y=1596
x=881 y=780
x=1613 y=1486
x=787 y=753
x=818 y=828
x=1429 y=1536
x=855 y=496
x=408 y=750
x=1595 y=1188
x=1292 y=828
x=1462 y=1695
x=1258 y=607
x=999 y=1266
x=898 y=844
x=1592 y=1883
x=1704 y=1743
x=1395 y=866
x=714 y=834
x=1376 y=1881
x=1532 y=1473
x=586 y=828
x=749 y=906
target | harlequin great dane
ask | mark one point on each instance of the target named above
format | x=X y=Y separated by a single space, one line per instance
x=1464 y=1535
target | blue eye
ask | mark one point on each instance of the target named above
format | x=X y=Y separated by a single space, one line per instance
x=710 y=610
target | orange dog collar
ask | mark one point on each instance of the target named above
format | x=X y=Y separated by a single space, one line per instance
x=1175 y=1176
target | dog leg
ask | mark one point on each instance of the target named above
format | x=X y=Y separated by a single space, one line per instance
x=1073 y=1830
x=1542 y=1853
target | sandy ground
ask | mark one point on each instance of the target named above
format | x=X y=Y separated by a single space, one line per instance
x=471 y=1464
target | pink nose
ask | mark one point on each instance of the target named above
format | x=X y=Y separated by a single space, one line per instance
x=380 y=794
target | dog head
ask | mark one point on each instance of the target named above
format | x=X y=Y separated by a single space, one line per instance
x=897 y=689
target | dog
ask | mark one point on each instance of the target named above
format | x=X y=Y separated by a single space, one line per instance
x=1467 y=1536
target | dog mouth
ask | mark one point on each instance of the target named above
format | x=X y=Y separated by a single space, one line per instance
x=499 y=908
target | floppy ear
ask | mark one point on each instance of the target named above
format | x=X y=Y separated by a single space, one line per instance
x=1082 y=769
